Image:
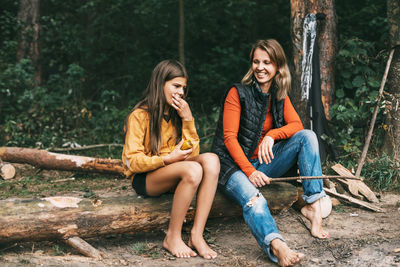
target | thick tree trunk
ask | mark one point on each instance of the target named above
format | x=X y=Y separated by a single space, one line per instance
x=391 y=145
x=327 y=42
x=28 y=47
x=181 y=32
x=63 y=217
x=47 y=160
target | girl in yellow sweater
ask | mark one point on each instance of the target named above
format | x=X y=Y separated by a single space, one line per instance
x=155 y=131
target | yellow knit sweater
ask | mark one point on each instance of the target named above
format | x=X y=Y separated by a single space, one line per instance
x=136 y=154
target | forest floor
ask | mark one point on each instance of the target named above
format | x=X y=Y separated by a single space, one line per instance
x=358 y=237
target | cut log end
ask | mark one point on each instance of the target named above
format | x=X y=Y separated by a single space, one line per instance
x=7 y=171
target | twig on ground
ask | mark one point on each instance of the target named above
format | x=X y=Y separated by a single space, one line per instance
x=55 y=149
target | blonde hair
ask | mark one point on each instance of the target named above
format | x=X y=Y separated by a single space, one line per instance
x=275 y=51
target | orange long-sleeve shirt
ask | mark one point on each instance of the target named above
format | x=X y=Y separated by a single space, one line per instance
x=231 y=120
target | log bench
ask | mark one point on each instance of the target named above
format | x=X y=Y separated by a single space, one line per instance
x=71 y=218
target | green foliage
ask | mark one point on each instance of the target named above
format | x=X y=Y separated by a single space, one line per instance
x=382 y=172
x=145 y=249
x=58 y=250
x=206 y=123
x=357 y=87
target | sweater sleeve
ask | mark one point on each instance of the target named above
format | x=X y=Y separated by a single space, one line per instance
x=189 y=131
x=293 y=123
x=231 y=121
x=134 y=145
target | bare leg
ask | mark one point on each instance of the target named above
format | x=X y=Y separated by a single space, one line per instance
x=205 y=197
x=286 y=256
x=313 y=213
x=187 y=174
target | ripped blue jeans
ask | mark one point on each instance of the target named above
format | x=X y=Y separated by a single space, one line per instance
x=302 y=148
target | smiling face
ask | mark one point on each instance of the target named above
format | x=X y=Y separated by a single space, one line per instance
x=263 y=69
x=176 y=86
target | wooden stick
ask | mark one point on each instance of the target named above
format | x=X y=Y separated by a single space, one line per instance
x=354 y=200
x=55 y=149
x=84 y=247
x=281 y=179
x=371 y=126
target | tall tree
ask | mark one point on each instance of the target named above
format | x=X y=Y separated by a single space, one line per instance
x=181 y=32
x=327 y=42
x=391 y=144
x=28 y=46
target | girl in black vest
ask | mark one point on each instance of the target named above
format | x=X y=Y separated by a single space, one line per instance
x=260 y=135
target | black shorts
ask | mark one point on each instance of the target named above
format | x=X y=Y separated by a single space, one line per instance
x=139 y=183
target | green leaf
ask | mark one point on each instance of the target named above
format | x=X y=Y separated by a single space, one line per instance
x=340 y=93
x=358 y=81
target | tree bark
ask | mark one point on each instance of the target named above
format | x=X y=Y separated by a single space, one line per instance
x=327 y=41
x=47 y=160
x=182 y=32
x=28 y=46
x=63 y=217
x=391 y=143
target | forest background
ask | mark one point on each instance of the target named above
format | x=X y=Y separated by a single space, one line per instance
x=94 y=59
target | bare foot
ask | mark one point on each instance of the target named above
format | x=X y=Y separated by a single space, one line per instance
x=177 y=247
x=202 y=247
x=286 y=256
x=313 y=213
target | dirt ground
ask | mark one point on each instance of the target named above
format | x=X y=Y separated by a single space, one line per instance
x=358 y=238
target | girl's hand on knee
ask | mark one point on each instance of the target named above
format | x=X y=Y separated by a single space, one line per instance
x=259 y=179
x=182 y=107
x=177 y=154
x=265 y=150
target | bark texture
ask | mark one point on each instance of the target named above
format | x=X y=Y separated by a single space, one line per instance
x=182 y=32
x=48 y=160
x=327 y=41
x=28 y=46
x=391 y=145
x=66 y=217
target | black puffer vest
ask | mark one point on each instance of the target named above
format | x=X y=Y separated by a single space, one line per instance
x=254 y=106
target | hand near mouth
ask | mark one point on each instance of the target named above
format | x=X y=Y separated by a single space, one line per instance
x=182 y=107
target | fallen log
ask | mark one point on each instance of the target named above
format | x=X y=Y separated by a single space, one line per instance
x=66 y=217
x=356 y=187
x=56 y=161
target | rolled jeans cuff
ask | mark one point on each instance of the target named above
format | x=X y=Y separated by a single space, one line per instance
x=267 y=245
x=311 y=199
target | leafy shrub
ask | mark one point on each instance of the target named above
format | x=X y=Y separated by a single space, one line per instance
x=358 y=79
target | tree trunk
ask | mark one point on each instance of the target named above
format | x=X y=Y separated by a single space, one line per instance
x=391 y=143
x=28 y=46
x=47 y=160
x=65 y=217
x=327 y=42
x=181 y=32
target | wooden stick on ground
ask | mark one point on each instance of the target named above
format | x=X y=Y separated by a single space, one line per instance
x=84 y=248
x=355 y=187
x=371 y=127
x=354 y=200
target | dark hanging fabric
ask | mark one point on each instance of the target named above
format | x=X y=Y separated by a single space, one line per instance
x=319 y=123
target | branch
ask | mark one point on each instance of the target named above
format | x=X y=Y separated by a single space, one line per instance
x=55 y=149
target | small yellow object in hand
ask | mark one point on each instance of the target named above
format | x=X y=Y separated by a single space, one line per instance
x=187 y=144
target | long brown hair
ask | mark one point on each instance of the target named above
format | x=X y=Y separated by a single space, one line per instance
x=275 y=51
x=154 y=103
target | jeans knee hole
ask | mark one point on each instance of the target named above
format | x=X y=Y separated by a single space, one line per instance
x=253 y=200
